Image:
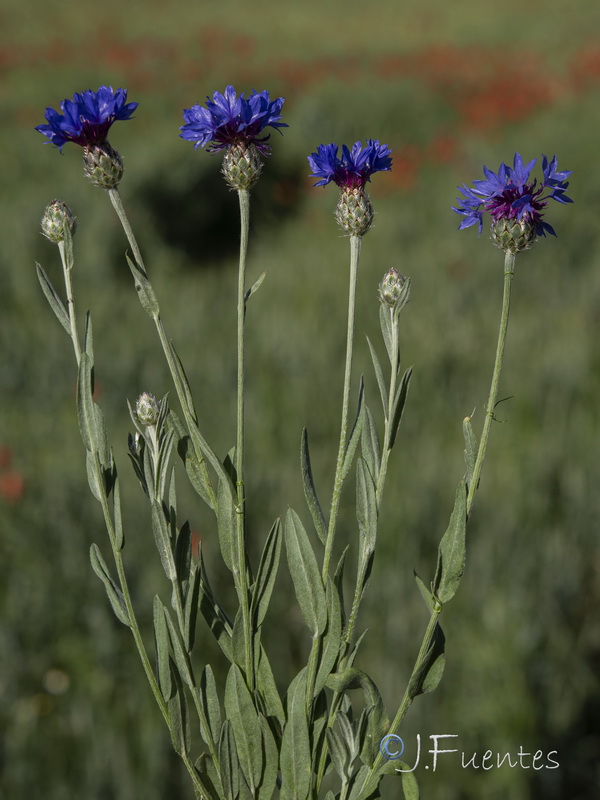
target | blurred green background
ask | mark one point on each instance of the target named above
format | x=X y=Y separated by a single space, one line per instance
x=449 y=86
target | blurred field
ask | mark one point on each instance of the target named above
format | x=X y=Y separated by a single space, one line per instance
x=449 y=86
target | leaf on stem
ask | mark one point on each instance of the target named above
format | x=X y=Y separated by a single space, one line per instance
x=163 y=540
x=399 y=403
x=296 y=768
x=115 y=595
x=226 y=525
x=197 y=476
x=369 y=443
x=452 y=549
x=265 y=577
x=182 y=660
x=144 y=289
x=255 y=287
x=179 y=716
x=428 y=672
x=161 y=640
x=53 y=299
x=470 y=452
x=310 y=493
x=209 y=700
x=355 y=433
x=332 y=639
x=380 y=378
x=305 y=574
x=245 y=724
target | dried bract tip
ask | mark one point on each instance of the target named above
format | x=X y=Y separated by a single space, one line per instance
x=147 y=410
x=354 y=212
x=103 y=165
x=242 y=166
x=394 y=289
x=57 y=220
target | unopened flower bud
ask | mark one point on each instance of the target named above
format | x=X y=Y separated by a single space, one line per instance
x=354 y=212
x=57 y=220
x=394 y=289
x=146 y=410
x=242 y=166
x=103 y=165
x=513 y=235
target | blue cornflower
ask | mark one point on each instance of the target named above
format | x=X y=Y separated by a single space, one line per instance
x=231 y=120
x=354 y=168
x=87 y=118
x=508 y=195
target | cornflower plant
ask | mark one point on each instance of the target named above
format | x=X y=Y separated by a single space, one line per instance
x=258 y=745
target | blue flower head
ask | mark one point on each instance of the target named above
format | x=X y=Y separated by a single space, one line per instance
x=87 y=118
x=510 y=195
x=228 y=120
x=355 y=166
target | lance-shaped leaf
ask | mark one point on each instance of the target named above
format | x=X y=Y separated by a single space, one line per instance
x=269 y=779
x=470 y=451
x=306 y=577
x=369 y=443
x=379 y=377
x=177 y=708
x=53 y=299
x=427 y=596
x=182 y=660
x=265 y=577
x=399 y=403
x=366 y=507
x=190 y=611
x=332 y=640
x=451 y=552
x=296 y=769
x=216 y=618
x=197 y=475
x=428 y=672
x=271 y=702
x=226 y=525
x=209 y=700
x=245 y=724
x=163 y=540
x=355 y=433
x=118 y=520
x=228 y=763
x=161 y=640
x=310 y=493
x=115 y=595
x=211 y=779
x=385 y=323
x=255 y=287
x=144 y=289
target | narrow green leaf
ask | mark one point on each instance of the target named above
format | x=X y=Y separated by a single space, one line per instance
x=267 y=687
x=161 y=640
x=115 y=595
x=183 y=382
x=143 y=288
x=210 y=777
x=183 y=551
x=332 y=639
x=380 y=378
x=366 y=507
x=179 y=716
x=399 y=403
x=268 y=783
x=305 y=574
x=265 y=577
x=310 y=493
x=196 y=474
x=209 y=699
x=163 y=540
x=241 y=713
x=226 y=525
x=385 y=323
x=190 y=611
x=427 y=596
x=363 y=787
x=296 y=769
x=355 y=433
x=118 y=520
x=182 y=660
x=229 y=763
x=452 y=549
x=85 y=405
x=216 y=618
x=410 y=787
x=255 y=287
x=428 y=672
x=470 y=450
x=53 y=299
x=338 y=580
x=370 y=448
x=338 y=751
x=434 y=674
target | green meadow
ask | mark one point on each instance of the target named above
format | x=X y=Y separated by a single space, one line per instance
x=450 y=87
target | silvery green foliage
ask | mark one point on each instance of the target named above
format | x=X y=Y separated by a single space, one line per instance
x=308 y=742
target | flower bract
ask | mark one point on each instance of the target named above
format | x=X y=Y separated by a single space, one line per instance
x=87 y=118
x=509 y=194
x=354 y=168
x=228 y=120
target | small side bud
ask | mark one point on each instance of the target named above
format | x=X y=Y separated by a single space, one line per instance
x=103 y=165
x=394 y=290
x=354 y=212
x=57 y=220
x=147 y=410
x=242 y=166
x=513 y=235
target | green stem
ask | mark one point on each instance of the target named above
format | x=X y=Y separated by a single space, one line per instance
x=240 y=517
x=387 y=433
x=509 y=271
x=355 y=242
x=66 y=256
x=200 y=446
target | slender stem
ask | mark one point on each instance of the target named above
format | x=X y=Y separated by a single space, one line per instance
x=66 y=256
x=355 y=242
x=509 y=271
x=240 y=517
